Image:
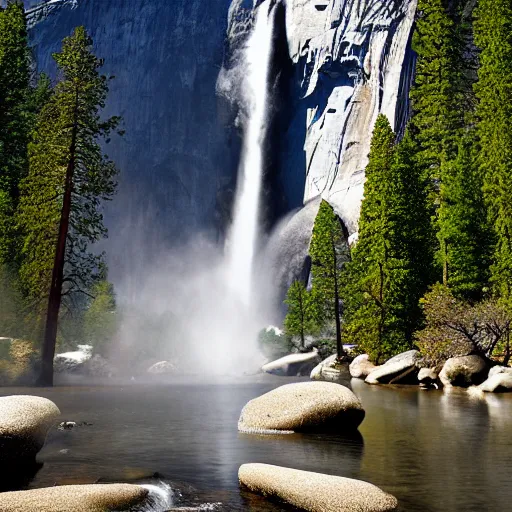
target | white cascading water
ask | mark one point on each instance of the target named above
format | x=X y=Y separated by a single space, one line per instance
x=243 y=237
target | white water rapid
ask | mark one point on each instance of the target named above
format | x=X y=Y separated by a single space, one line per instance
x=243 y=237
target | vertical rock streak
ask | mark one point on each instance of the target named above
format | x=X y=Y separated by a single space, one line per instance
x=242 y=240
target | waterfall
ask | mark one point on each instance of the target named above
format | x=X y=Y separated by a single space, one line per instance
x=243 y=237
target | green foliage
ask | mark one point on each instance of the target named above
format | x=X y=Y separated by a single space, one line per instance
x=392 y=261
x=329 y=252
x=463 y=229
x=493 y=35
x=457 y=328
x=303 y=316
x=73 y=108
x=100 y=318
x=273 y=344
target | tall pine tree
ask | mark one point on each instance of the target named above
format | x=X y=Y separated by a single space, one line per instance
x=69 y=176
x=329 y=253
x=463 y=225
x=493 y=35
x=391 y=264
x=439 y=98
x=14 y=125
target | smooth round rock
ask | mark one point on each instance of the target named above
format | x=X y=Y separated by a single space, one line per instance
x=301 y=407
x=24 y=424
x=464 y=371
x=395 y=370
x=498 y=383
x=361 y=367
x=315 y=492
x=74 y=498
x=293 y=364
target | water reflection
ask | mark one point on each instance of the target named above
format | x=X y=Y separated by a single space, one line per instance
x=435 y=451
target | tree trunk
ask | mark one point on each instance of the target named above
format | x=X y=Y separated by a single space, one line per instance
x=339 y=345
x=54 y=300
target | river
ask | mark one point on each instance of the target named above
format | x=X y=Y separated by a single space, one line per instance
x=435 y=451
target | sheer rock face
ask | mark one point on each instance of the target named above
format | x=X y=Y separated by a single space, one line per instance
x=177 y=160
x=351 y=60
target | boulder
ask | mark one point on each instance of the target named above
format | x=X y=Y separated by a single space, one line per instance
x=428 y=378
x=497 y=383
x=400 y=369
x=303 y=406
x=24 y=424
x=74 y=498
x=162 y=368
x=72 y=362
x=464 y=371
x=315 y=492
x=495 y=370
x=293 y=364
x=361 y=367
x=330 y=371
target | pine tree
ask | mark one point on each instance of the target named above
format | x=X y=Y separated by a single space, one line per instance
x=68 y=178
x=392 y=262
x=14 y=126
x=493 y=35
x=463 y=226
x=302 y=318
x=328 y=252
x=439 y=96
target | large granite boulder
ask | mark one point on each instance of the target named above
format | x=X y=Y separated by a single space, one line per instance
x=361 y=367
x=315 y=492
x=464 y=371
x=293 y=364
x=330 y=370
x=400 y=369
x=495 y=370
x=72 y=362
x=99 y=367
x=303 y=406
x=24 y=424
x=74 y=498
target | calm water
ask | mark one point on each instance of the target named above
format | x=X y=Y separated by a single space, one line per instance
x=433 y=451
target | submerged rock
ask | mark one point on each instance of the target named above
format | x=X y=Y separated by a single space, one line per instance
x=24 y=424
x=303 y=406
x=315 y=492
x=398 y=370
x=293 y=364
x=74 y=498
x=361 y=367
x=330 y=370
x=464 y=371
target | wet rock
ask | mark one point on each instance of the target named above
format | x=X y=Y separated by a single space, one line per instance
x=315 y=492
x=293 y=364
x=361 y=367
x=24 y=424
x=464 y=371
x=500 y=382
x=428 y=378
x=400 y=369
x=162 y=368
x=74 y=498
x=303 y=406
x=330 y=370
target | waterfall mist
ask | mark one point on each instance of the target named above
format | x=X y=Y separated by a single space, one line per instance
x=203 y=298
